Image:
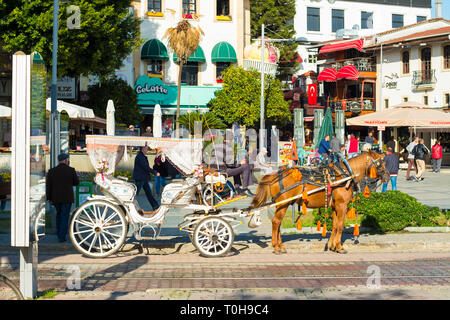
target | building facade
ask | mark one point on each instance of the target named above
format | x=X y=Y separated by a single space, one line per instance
x=324 y=20
x=226 y=27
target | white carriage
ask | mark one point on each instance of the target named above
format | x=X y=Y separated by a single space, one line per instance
x=99 y=227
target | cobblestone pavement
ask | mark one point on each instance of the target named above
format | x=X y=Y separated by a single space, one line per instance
x=249 y=276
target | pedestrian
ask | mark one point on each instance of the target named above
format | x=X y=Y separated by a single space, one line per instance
x=391 y=143
x=59 y=184
x=420 y=151
x=141 y=175
x=160 y=167
x=391 y=164
x=261 y=162
x=148 y=132
x=436 y=156
x=411 y=160
x=335 y=144
x=352 y=146
x=131 y=131
x=369 y=138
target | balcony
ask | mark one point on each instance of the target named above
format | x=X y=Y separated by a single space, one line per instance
x=424 y=79
x=355 y=105
x=361 y=64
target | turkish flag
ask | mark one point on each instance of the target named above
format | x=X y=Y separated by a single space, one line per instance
x=312 y=94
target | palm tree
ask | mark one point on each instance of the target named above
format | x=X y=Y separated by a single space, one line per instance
x=183 y=40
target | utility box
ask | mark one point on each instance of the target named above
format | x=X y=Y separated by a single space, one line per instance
x=82 y=192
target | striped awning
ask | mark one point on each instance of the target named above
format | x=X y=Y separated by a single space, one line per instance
x=348 y=72
x=154 y=50
x=328 y=74
x=223 y=52
x=343 y=45
x=197 y=56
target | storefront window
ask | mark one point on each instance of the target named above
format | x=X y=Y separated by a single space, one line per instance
x=444 y=138
x=189 y=74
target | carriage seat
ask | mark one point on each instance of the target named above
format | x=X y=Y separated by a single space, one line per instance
x=147 y=214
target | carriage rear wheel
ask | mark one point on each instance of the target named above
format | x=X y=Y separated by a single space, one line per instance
x=98 y=229
x=213 y=237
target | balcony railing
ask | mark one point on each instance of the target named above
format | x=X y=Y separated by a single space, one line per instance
x=361 y=64
x=355 y=105
x=424 y=78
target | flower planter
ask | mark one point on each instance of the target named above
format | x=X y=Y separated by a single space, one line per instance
x=5 y=188
x=155 y=14
x=223 y=18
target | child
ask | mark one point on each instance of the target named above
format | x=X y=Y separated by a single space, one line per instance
x=391 y=165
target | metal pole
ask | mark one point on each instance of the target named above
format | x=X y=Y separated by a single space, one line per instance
x=380 y=133
x=262 y=132
x=54 y=139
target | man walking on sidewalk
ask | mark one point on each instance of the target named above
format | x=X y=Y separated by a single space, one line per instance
x=420 y=151
x=411 y=161
x=60 y=181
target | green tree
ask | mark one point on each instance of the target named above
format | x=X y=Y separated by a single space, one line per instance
x=278 y=19
x=123 y=96
x=208 y=120
x=239 y=99
x=107 y=34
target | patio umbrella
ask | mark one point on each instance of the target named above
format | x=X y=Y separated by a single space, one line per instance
x=327 y=126
x=5 y=112
x=110 y=120
x=157 y=124
x=407 y=114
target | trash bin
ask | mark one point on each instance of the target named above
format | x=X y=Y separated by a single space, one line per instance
x=82 y=192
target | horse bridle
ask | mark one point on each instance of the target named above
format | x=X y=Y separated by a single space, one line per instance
x=378 y=164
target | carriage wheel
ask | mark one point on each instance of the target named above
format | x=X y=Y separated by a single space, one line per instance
x=98 y=229
x=213 y=237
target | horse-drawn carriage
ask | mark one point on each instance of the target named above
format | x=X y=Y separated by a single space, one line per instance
x=100 y=226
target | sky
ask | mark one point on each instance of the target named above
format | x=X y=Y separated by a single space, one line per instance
x=445 y=9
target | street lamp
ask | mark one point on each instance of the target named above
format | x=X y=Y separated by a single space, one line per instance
x=54 y=142
x=262 y=132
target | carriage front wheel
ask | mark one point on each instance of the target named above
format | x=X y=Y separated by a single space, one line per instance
x=98 y=229
x=213 y=237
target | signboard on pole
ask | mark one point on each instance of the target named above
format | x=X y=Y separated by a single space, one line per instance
x=381 y=128
x=66 y=88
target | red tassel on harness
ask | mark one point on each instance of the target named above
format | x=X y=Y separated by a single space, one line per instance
x=351 y=213
x=304 y=210
x=366 y=192
x=329 y=189
x=305 y=195
x=356 y=230
x=373 y=172
x=318 y=225
x=299 y=224
x=324 y=231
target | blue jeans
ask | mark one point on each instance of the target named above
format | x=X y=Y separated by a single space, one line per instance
x=393 y=183
x=159 y=182
x=148 y=192
x=62 y=219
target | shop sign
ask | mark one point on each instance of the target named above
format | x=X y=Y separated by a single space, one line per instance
x=381 y=128
x=153 y=91
x=66 y=88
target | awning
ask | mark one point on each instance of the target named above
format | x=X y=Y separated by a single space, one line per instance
x=348 y=72
x=343 y=45
x=198 y=56
x=155 y=50
x=328 y=74
x=73 y=110
x=5 y=112
x=223 y=52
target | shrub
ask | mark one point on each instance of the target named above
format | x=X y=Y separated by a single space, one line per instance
x=125 y=173
x=394 y=211
x=5 y=177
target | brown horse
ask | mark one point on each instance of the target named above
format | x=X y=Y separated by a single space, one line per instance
x=340 y=196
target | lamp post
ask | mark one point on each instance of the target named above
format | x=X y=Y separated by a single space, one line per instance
x=380 y=133
x=54 y=142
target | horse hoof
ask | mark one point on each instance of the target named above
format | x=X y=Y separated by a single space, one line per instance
x=277 y=252
x=283 y=250
x=341 y=251
x=326 y=247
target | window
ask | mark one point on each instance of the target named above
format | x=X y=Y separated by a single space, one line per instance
x=366 y=20
x=223 y=7
x=189 y=6
x=313 y=19
x=312 y=58
x=189 y=74
x=425 y=100
x=220 y=67
x=397 y=20
x=447 y=99
x=421 y=18
x=386 y=103
x=446 y=56
x=154 y=5
x=405 y=99
x=337 y=20
x=405 y=62
x=154 y=67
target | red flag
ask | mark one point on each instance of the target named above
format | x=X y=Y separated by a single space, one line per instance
x=312 y=94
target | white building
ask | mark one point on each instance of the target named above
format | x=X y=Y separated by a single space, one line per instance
x=324 y=20
x=226 y=27
x=415 y=67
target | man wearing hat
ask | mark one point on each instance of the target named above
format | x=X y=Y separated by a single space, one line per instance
x=59 y=191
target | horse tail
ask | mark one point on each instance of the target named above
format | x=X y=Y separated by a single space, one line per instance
x=262 y=193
